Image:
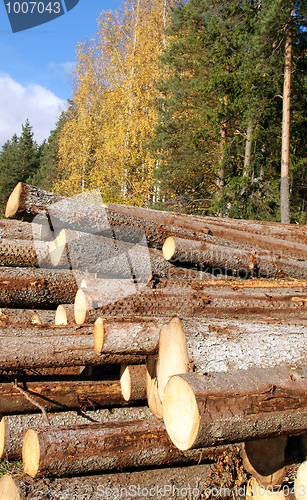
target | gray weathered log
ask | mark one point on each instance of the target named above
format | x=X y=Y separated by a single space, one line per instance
x=15 y=426
x=15 y=229
x=9 y=315
x=192 y=480
x=220 y=408
x=24 y=253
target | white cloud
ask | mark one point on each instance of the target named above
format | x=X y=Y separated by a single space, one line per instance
x=17 y=103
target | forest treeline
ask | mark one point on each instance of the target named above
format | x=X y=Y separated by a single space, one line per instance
x=182 y=106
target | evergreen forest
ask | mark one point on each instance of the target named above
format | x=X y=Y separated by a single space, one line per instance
x=199 y=107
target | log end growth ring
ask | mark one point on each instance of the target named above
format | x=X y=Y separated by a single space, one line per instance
x=180 y=413
x=2 y=435
x=169 y=248
x=30 y=453
x=13 y=201
x=8 y=488
x=99 y=335
x=80 y=307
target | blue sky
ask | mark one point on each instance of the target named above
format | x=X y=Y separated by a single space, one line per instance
x=34 y=64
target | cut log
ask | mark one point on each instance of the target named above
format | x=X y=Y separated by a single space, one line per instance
x=133 y=382
x=173 y=355
x=254 y=491
x=127 y=335
x=301 y=482
x=265 y=459
x=15 y=229
x=220 y=408
x=18 y=352
x=183 y=481
x=59 y=395
x=14 y=427
x=70 y=450
x=24 y=253
x=64 y=314
x=153 y=398
x=220 y=257
x=40 y=288
x=11 y=316
x=241 y=344
x=185 y=298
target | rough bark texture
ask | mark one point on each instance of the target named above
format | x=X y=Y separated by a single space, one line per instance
x=15 y=229
x=63 y=349
x=17 y=425
x=235 y=406
x=24 y=253
x=127 y=335
x=40 y=288
x=230 y=345
x=190 y=480
x=185 y=298
x=72 y=450
x=258 y=263
x=10 y=316
x=64 y=394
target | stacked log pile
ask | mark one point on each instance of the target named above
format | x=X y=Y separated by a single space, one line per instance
x=106 y=307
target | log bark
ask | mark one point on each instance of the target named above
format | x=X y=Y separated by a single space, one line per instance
x=18 y=352
x=220 y=257
x=192 y=480
x=15 y=229
x=24 y=253
x=231 y=345
x=10 y=316
x=127 y=335
x=67 y=393
x=14 y=427
x=71 y=450
x=133 y=382
x=219 y=408
x=185 y=298
x=40 y=288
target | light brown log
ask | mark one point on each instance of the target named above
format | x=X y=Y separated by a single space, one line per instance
x=173 y=354
x=18 y=352
x=301 y=482
x=187 y=298
x=24 y=253
x=216 y=408
x=70 y=450
x=153 y=398
x=133 y=382
x=127 y=335
x=64 y=393
x=15 y=229
x=189 y=480
x=64 y=315
x=14 y=427
x=41 y=288
x=254 y=491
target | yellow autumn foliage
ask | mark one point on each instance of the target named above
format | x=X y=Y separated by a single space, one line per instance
x=113 y=116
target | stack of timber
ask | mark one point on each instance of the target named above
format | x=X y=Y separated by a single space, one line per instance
x=106 y=307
